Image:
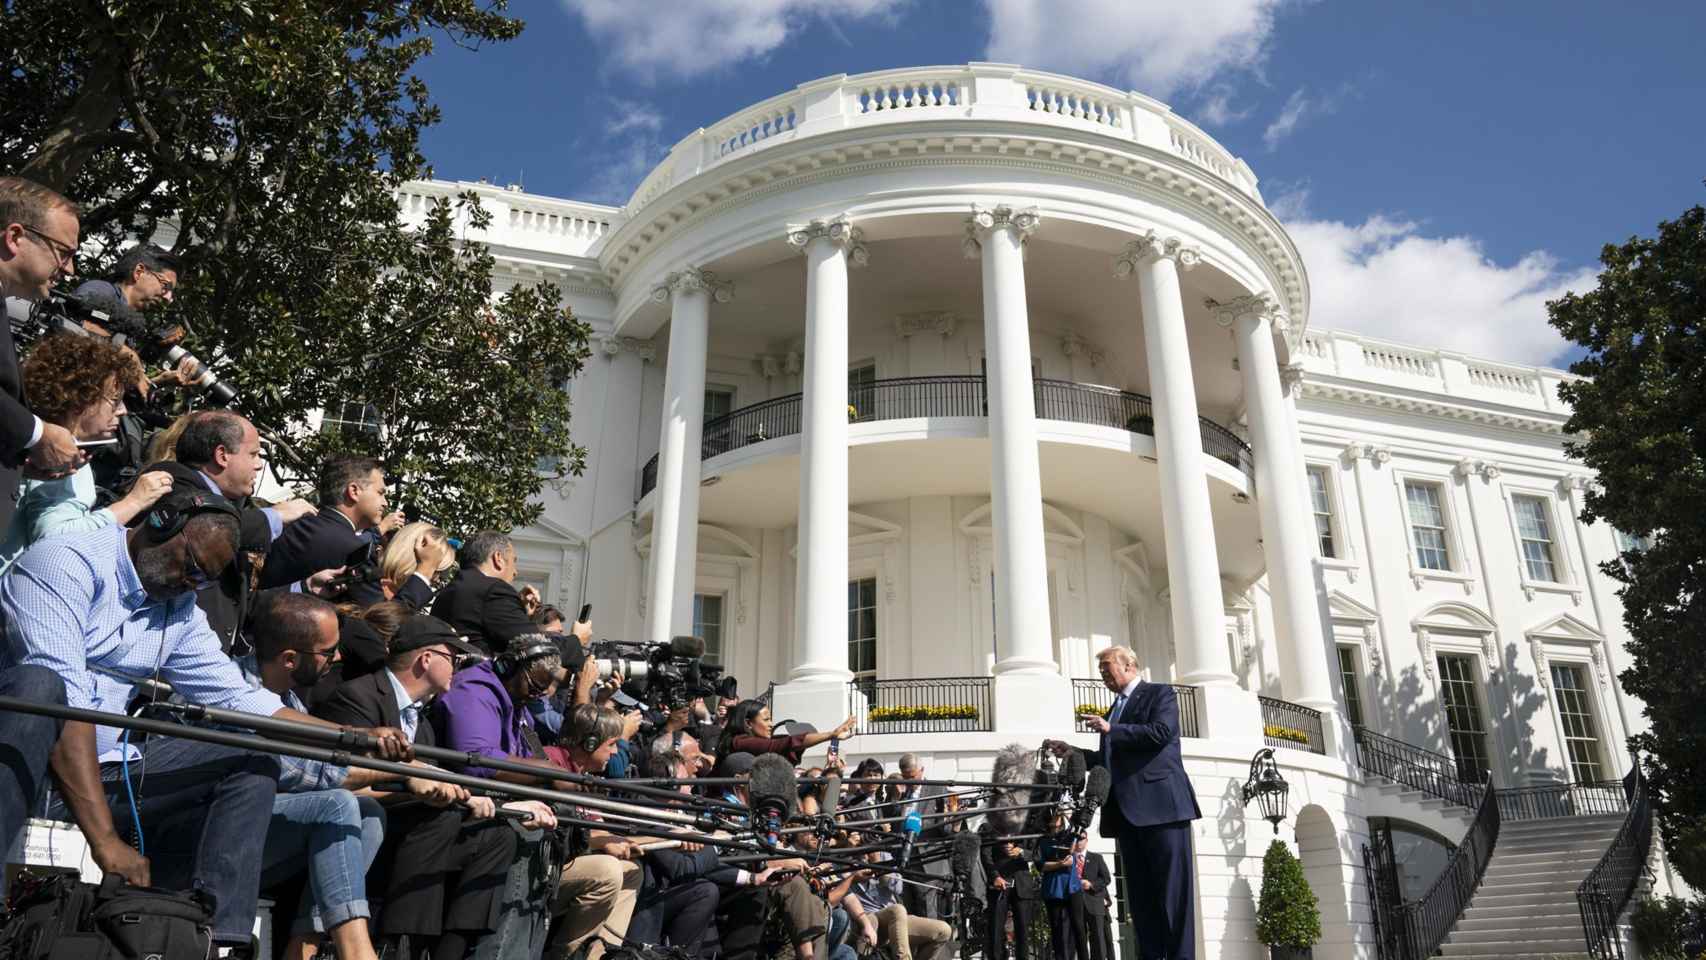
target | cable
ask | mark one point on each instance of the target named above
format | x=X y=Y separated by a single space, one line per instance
x=130 y=794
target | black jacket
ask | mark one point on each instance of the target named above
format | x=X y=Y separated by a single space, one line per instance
x=17 y=423
x=318 y=542
x=1096 y=871
x=226 y=605
x=1017 y=870
x=369 y=701
x=485 y=609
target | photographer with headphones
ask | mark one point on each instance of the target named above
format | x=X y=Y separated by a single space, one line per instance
x=102 y=610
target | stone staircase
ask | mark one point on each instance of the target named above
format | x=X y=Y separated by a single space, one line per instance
x=1525 y=908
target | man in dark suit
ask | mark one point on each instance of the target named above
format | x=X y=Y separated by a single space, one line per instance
x=928 y=800
x=39 y=230
x=1151 y=805
x=1012 y=891
x=351 y=519
x=442 y=870
x=1097 y=898
x=220 y=451
x=481 y=603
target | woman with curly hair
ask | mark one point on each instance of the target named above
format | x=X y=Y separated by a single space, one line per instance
x=77 y=383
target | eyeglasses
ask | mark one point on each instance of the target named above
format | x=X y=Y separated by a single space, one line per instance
x=456 y=660
x=67 y=255
x=198 y=577
x=114 y=402
x=331 y=654
x=166 y=286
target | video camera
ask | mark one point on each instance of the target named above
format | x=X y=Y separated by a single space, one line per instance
x=62 y=312
x=663 y=676
x=361 y=566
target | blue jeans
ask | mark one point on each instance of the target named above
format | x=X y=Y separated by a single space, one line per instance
x=199 y=805
x=335 y=836
x=839 y=948
x=26 y=743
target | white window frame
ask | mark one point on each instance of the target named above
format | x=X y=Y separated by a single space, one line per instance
x=1567 y=581
x=1348 y=559
x=1363 y=702
x=856 y=573
x=332 y=419
x=1473 y=647
x=1596 y=706
x=722 y=597
x=1556 y=646
x=1462 y=570
x=730 y=389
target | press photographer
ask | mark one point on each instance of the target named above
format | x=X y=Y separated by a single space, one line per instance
x=345 y=532
x=482 y=603
x=38 y=248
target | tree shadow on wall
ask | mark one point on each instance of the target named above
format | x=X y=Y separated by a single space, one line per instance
x=1523 y=699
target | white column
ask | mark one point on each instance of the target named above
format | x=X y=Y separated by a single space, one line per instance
x=820 y=608
x=1287 y=519
x=1187 y=523
x=1028 y=681
x=816 y=689
x=675 y=502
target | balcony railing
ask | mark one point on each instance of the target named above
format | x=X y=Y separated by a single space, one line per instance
x=944 y=705
x=1435 y=774
x=1609 y=885
x=1594 y=798
x=903 y=398
x=1094 y=693
x=1292 y=726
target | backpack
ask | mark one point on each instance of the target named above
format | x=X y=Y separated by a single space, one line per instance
x=61 y=918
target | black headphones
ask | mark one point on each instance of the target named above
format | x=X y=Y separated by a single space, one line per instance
x=525 y=648
x=168 y=517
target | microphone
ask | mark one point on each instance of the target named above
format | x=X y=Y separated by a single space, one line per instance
x=690 y=648
x=1096 y=787
x=966 y=863
x=911 y=827
x=1015 y=766
x=1072 y=771
x=772 y=791
x=831 y=795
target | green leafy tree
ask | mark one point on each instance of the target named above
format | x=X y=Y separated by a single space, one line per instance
x=1639 y=421
x=1288 y=914
x=268 y=139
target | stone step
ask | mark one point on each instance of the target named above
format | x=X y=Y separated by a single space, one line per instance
x=1564 y=826
x=1510 y=871
x=1520 y=932
x=1574 y=946
x=1515 y=846
x=1535 y=896
x=1474 y=919
x=1506 y=912
x=1564 y=955
x=1540 y=854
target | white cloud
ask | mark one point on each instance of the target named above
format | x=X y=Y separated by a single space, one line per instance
x=688 y=38
x=1156 y=48
x=1299 y=105
x=1382 y=277
x=628 y=146
x=1289 y=200
x=1216 y=109
x=632 y=116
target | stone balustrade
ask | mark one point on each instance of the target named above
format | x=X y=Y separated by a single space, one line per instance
x=1353 y=357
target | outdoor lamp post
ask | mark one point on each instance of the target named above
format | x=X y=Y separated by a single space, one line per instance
x=1267 y=787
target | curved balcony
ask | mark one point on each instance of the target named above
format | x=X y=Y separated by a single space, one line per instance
x=950 y=396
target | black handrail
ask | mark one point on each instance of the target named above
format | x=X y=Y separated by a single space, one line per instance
x=1609 y=886
x=1087 y=693
x=1427 y=921
x=899 y=398
x=1593 y=798
x=1435 y=774
x=934 y=705
x=1283 y=720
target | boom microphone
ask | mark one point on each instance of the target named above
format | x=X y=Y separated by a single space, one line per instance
x=966 y=863
x=1072 y=771
x=911 y=827
x=1096 y=787
x=773 y=790
x=689 y=648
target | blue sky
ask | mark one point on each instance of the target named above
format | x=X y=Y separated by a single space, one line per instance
x=1445 y=168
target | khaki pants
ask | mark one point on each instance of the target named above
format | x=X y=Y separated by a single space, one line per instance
x=596 y=897
x=912 y=938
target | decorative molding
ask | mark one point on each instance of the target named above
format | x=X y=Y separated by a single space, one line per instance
x=613 y=347
x=1074 y=345
x=839 y=231
x=1371 y=645
x=1425 y=644
x=1576 y=483
x=1153 y=246
x=1372 y=452
x=693 y=280
x=1467 y=466
x=1290 y=374
x=984 y=220
x=1258 y=306
x=1542 y=671
x=1533 y=422
x=770 y=366
x=942 y=322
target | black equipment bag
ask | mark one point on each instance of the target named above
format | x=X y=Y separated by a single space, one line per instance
x=62 y=918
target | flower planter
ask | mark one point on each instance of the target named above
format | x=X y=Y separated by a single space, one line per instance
x=1290 y=953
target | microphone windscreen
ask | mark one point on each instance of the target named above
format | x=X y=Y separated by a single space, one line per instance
x=1096 y=787
x=772 y=782
x=965 y=862
x=1015 y=765
x=913 y=823
x=831 y=795
x=1072 y=771
x=690 y=648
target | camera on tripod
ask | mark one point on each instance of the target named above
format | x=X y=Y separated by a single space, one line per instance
x=62 y=312
x=663 y=676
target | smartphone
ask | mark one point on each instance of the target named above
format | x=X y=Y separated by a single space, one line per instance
x=835 y=746
x=97 y=443
x=586 y=614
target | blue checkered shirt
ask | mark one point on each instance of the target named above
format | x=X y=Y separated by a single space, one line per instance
x=75 y=605
x=296 y=774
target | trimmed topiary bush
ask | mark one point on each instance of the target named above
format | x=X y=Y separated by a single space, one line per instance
x=1288 y=916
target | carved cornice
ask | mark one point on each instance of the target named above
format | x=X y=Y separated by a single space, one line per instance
x=984 y=220
x=693 y=280
x=1488 y=471
x=933 y=321
x=1291 y=374
x=1228 y=312
x=1074 y=345
x=1373 y=453
x=613 y=346
x=837 y=230
x=1153 y=246
x=1536 y=422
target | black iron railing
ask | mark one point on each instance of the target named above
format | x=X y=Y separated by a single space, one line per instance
x=1292 y=725
x=1415 y=930
x=1599 y=797
x=1435 y=774
x=1606 y=891
x=1093 y=698
x=900 y=398
x=944 y=705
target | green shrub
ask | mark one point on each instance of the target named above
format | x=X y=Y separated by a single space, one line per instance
x=1288 y=915
x=1669 y=928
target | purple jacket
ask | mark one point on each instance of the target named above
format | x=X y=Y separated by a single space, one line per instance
x=476 y=715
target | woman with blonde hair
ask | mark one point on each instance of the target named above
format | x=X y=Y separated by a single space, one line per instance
x=412 y=560
x=163 y=445
x=77 y=383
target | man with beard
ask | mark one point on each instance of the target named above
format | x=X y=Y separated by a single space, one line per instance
x=103 y=610
x=317 y=823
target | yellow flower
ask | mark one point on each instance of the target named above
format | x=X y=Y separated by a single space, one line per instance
x=1285 y=733
x=955 y=712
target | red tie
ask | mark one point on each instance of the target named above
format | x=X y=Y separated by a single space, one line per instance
x=1078 y=865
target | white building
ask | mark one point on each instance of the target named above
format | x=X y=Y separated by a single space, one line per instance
x=969 y=372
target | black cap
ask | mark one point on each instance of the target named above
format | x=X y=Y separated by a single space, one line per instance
x=737 y=764
x=421 y=631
